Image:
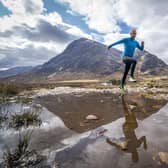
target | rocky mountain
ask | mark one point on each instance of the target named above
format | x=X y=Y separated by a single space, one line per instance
x=151 y=64
x=84 y=58
x=15 y=71
x=84 y=55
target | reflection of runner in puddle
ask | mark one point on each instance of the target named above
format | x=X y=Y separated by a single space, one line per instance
x=130 y=143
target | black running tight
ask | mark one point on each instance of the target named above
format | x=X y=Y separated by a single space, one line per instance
x=129 y=64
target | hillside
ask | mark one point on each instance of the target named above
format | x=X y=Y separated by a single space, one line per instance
x=15 y=71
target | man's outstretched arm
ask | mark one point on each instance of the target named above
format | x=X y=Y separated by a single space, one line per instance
x=116 y=43
x=140 y=47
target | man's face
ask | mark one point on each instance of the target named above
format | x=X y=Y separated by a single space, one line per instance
x=133 y=34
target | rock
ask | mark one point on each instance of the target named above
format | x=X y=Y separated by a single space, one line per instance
x=38 y=105
x=26 y=107
x=106 y=84
x=163 y=157
x=123 y=145
x=101 y=132
x=82 y=124
x=91 y=117
x=132 y=107
x=120 y=143
x=56 y=165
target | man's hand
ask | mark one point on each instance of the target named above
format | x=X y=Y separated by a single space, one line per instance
x=142 y=43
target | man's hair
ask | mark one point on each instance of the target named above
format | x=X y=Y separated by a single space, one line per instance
x=133 y=30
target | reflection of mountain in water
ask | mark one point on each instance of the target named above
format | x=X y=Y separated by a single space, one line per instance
x=73 y=109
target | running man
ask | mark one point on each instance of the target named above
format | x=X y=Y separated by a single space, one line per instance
x=130 y=44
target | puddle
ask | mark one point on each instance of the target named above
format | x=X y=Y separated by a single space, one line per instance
x=73 y=108
x=91 y=151
x=66 y=137
x=44 y=138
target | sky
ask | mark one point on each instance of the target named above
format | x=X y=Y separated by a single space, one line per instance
x=33 y=31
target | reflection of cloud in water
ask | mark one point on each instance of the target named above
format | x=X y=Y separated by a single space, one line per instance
x=86 y=151
x=47 y=136
x=116 y=125
x=156 y=128
x=49 y=120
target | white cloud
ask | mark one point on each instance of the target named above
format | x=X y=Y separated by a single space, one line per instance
x=112 y=37
x=20 y=14
x=28 y=56
x=21 y=7
x=29 y=32
x=77 y=32
x=99 y=15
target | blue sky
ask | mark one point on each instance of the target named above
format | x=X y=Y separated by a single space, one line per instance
x=4 y=11
x=32 y=32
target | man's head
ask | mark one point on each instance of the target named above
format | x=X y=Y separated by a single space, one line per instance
x=133 y=33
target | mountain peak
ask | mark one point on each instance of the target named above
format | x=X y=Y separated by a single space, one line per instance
x=87 y=56
x=84 y=55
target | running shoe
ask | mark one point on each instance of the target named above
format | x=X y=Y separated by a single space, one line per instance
x=131 y=79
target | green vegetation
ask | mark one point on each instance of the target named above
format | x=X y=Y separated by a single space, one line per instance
x=8 y=90
x=115 y=81
x=12 y=89
x=3 y=119
x=3 y=112
x=25 y=120
x=24 y=100
x=156 y=82
x=147 y=95
x=21 y=156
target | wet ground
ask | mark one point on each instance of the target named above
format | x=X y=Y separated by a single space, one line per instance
x=67 y=138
